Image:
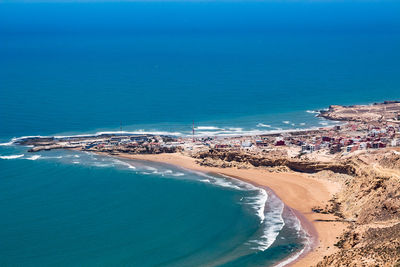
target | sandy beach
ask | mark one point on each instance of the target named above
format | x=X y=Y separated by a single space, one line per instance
x=296 y=190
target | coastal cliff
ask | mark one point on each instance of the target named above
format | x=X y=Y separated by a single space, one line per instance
x=369 y=199
x=378 y=112
x=227 y=158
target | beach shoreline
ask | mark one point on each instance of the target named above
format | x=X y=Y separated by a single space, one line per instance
x=298 y=192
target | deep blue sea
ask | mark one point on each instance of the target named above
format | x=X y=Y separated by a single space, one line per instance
x=231 y=67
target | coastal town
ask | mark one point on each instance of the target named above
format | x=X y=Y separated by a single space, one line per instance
x=378 y=128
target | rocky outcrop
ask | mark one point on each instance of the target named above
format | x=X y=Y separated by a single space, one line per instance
x=373 y=247
x=137 y=150
x=387 y=110
x=229 y=158
x=50 y=147
x=371 y=199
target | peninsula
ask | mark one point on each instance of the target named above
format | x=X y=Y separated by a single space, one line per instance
x=342 y=181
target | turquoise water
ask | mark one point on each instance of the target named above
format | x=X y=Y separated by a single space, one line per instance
x=232 y=68
x=71 y=209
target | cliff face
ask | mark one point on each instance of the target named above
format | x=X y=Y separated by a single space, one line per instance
x=370 y=197
x=227 y=158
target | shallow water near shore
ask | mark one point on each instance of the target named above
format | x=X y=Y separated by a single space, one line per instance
x=72 y=208
x=232 y=68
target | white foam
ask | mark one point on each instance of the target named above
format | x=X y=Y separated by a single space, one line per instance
x=263 y=125
x=222 y=182
x=236 y=129
x=207 y=128
x=12 y=156
x=272 y=226
x=140 y=131
x=7 y=144
x=258 y=203
x=75 y=162
x=97 y=164
x=307 y=244
x=225 y=183
x=286 y=122
x=275 y=222
x=77 y=156
x=312 y=111
x=177 y=174
x=58 y=157
x=130 y=166
x=302 y=123
x=323 y=123
x=35 y=157
x=290 y=260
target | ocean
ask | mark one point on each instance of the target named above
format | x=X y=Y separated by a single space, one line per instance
x=232 y=68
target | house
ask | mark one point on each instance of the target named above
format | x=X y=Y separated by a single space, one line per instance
x=280 y=143
x=308 y=148
x=326 y=138
x=246 y=143
x=395 y=142
x=335 y=148
x=139 y=138
x=261 y=143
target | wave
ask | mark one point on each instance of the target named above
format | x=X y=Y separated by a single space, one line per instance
x=123 y=163
x=253 y=132
x=312 y=111
x=222 y=182
x=170 y=173
x=10 y=143
x=307 y=243
x=286 y=122
x=177 y=174
x=263 y=125
x=258 y=203
x=98 y=164
x=271 y=227
x=35 y=157
x=235 y=129
x=57 y=157
x=323 y=123
x=207 y=128
x=12 y=156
